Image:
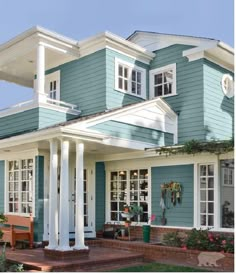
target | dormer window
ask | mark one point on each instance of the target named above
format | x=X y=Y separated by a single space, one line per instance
x=130 y=78
x=163 y=81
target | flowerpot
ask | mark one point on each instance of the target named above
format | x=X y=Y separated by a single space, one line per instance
x=146 y=233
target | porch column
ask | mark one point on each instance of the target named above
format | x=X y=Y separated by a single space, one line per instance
x=79 y=208
x=40 y=87
x=64 y=198
x=53 y=210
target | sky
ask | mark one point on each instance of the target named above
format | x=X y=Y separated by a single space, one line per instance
x=79 y=19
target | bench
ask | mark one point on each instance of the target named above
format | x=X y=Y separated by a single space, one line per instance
x=18 y=228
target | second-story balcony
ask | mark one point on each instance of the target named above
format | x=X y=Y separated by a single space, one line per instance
x=30 y=60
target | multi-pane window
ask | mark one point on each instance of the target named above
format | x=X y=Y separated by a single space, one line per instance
x=20 y=186
x=130 y=78
x=128 y=187
x=53 y=90
x=227 y=193
x=163 y=81
x=207 y=195
x=136 y=82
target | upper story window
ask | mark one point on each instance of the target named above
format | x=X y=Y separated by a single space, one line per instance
x=52 y=85
x=163 y=81
x=130 y=78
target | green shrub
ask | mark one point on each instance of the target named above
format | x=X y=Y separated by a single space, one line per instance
x=172 y=239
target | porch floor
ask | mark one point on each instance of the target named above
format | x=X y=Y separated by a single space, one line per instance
x=100 y=259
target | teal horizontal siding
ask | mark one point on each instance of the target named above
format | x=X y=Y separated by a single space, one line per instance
x=182 y=214
x=2 y=185
x=39 y=199
x=100 y=180
x=116 y=98
x=18 y=123
x=137 y=133
x=83 y=82
x=218 y=109
x=189 y=99
x=49 y=117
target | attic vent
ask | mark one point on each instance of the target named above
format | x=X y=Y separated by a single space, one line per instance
x=227 y=84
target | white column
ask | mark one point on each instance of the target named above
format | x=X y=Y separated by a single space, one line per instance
x=53 y=210
x=40 y=87
x=64 y=198
x=79 y=208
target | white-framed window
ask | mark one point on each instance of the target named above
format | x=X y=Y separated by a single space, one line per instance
x=130 y=78
x=163 y=81
x=52 y=85
x=206 y=190
x=227 y=193
x=128 y=187
x=20 y=186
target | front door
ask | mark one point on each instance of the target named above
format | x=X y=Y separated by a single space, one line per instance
x=87 y=199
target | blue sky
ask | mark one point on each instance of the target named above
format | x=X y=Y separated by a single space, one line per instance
x=79 y=19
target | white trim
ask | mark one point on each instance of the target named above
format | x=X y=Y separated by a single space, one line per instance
x=130 y=67
x=195 y=196
x=153 y=72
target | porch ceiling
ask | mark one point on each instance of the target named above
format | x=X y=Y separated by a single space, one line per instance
x=18 y=57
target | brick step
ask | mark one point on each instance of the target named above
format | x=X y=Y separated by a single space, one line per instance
x=103 y=265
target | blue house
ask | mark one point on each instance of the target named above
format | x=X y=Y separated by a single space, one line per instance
x=92 y=138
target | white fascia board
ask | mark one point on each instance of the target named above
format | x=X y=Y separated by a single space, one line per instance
x=219 y=53
x=109 y=40
x=123 y=111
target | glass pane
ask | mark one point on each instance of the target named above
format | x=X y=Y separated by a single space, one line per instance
x=85 y=197
x=11 y=166
x=203 y=220
x=158 y=79
x=11 y=197
x=11 y=176
x=158 y=91
x=120 y=85
x=24 y=175
x=139 y=77
x=133 y=174
x=202 y=207
x=210 y=170
x=210 y=195
x=168 y=76
x=16 y=197
x=167 y=89
x=126 y=85
x=210 y=207
x=134 y=185
x=125 y=72
x=11 y=186
x=16 y=176
x=23 y=197
x=16 y=165
x=120 y=70
x=203 y=195
x=133 y=75
x=24 y=164
x=85 y=210
x=114 y=206
x=85 y=186
x=114 y=216
x=10 y=207
x=121 y=206
x=113 y=195
x=16 y=184
x=139 y=89
x=114 y=186
x=210 y=182
x=202 y=182
x=133 y=87
x=122 y=175
x=123 y=186
x=202 y=170
x=210 y=220
x=15 y=207
x=85 y=220
x=144 y=218
x=113 y=176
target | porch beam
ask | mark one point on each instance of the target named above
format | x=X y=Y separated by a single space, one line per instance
x=64 y=198
x=79 y=208
x=53 y=208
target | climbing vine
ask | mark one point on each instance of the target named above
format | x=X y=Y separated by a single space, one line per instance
x=195 y=146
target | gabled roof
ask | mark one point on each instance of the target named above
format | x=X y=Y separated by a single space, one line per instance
x=209 y=48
